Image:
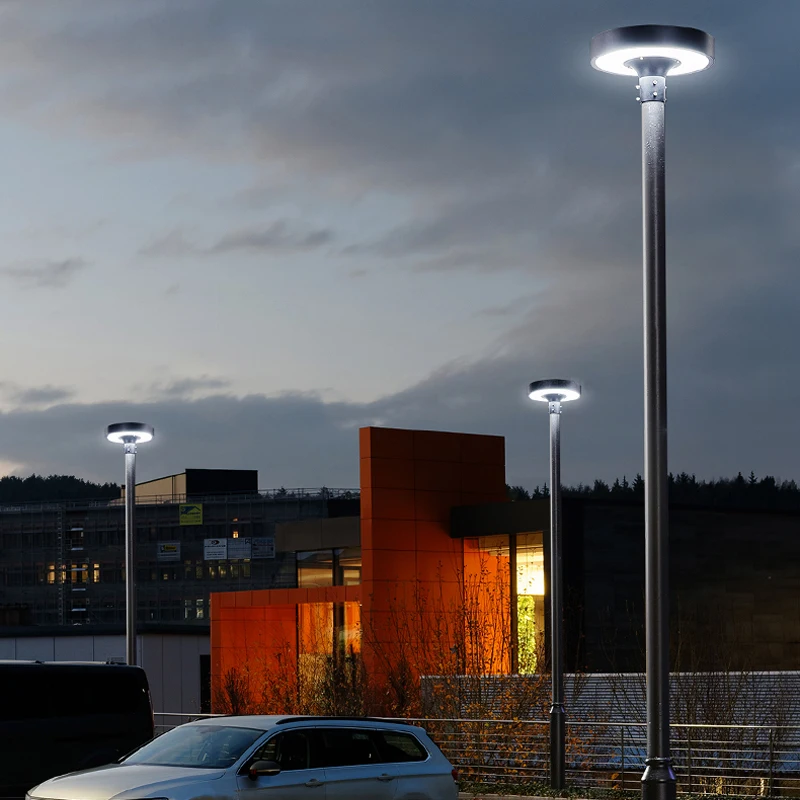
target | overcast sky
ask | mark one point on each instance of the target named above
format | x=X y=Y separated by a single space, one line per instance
x=261 y=225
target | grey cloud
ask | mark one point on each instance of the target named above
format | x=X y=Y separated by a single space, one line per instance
x=170 y=245
x=278 y=237
x=46 y=274
x=274 y=238
x=35 y=395
x=186 y=387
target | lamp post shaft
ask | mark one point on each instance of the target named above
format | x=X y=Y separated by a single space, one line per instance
x=557 y=712
x=658 y=780
x=130 y=553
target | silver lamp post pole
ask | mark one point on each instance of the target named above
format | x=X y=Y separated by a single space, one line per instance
x=129 y=434
x=651 y=52
x=554 y=392
x=130 y=552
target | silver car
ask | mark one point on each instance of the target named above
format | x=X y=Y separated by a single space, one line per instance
x=261 y=758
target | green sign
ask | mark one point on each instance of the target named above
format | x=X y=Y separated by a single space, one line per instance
x=190 y=514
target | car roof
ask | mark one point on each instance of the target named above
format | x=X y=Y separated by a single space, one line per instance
x=266 y=722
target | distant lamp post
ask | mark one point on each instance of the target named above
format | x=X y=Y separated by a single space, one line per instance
x=129 y=434
x=554 y=392
x=651 y=53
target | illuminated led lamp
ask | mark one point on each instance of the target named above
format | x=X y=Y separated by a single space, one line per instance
x=554 y=389
x=676 y=50
x=123 y=432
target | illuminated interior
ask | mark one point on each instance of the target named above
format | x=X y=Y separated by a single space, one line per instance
x=530 y=601
x=488 y=565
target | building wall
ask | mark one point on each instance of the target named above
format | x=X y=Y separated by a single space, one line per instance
x=734 y=587
x=412 y=570
x=172 y=662
x=172 y=486
x=88 y=541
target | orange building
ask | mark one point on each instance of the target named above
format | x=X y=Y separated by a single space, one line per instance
x=412 y=600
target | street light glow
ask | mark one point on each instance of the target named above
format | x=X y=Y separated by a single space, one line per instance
x=123 y=432
x=686 y=50
x=554 y=389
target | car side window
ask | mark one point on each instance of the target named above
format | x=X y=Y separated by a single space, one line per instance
x=396 y=747
x=291 y=750
x=347 y=747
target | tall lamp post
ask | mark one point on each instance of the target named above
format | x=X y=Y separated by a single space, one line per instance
x=129 y=434
x=554 y=392
x=651 y=52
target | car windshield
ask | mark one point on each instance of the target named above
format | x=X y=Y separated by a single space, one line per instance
x=201 y=746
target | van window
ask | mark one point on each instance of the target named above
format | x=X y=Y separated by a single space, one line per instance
x=45 y=692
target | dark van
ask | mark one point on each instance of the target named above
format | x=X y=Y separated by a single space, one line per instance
x=58 y=717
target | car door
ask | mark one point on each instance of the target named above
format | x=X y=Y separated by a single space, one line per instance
x=300 y=776
x=353 y=766
x=421 y=770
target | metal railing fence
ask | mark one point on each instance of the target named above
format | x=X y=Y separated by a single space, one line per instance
x=752 y=760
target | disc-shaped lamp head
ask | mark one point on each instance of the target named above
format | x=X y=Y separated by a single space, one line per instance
x=554 y=390
x=125 y=432
x=641 y=49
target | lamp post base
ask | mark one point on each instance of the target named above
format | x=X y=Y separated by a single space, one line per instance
x=658 y=780
x=558 y=729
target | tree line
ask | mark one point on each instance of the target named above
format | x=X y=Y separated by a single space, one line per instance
x=38 y=488
x=685 y=489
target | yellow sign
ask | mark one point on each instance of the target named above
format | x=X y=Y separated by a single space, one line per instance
x=190 y=514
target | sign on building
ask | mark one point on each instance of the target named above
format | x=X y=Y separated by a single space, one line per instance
x=168 y=551
x=215 y=549
x=263 y=547
x=240 y=547
x=190 y=513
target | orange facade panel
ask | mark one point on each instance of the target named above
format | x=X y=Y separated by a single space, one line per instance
x=421 y=603
x=387 y=473
x=386 y=443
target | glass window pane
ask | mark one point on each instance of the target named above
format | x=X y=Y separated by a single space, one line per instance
x=347 y=747
x=314 y=568
x=530 y=600
x=399 y=747
x=348 y=562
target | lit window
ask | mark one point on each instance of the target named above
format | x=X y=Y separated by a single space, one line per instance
x=314 y=568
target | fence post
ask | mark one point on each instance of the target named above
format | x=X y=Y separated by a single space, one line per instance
x=771 y=780
x=622 y=750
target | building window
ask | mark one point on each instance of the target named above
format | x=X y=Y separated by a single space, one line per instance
x=314 y=568
x=340 y=567
x=329 y=645
x=348 y=566
x=530 y=600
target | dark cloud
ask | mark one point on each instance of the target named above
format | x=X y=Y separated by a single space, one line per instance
x=278 y=237
x=45 y=274
x=186 y=387
x=35 y=395
x=300 y=440
x=274 y=238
